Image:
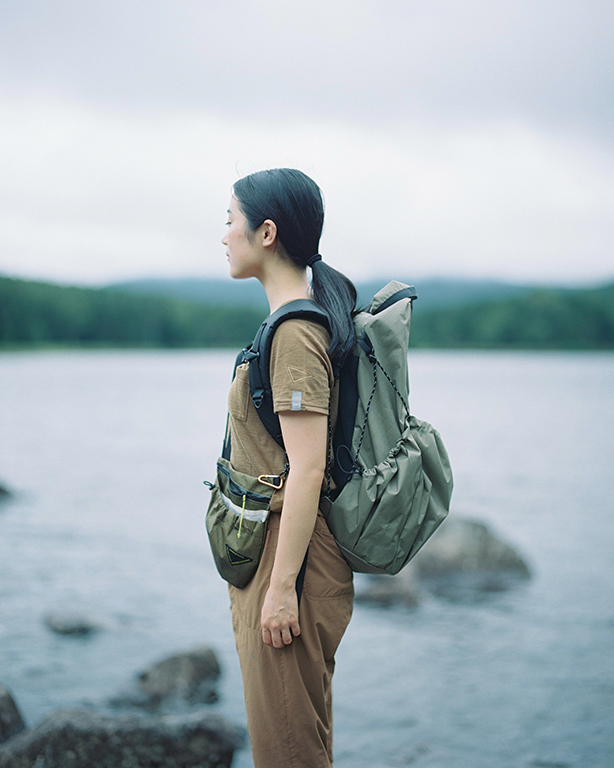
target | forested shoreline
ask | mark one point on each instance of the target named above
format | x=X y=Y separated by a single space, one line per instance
x=543 y=319
x=43 y=314
x=36 y=314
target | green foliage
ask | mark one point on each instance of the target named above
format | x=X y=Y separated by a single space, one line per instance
x=41 y=314
x=543 y=319
x=38 y=314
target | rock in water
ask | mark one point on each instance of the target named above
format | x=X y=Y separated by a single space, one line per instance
x=402 y=589
x=5 y=494
x=463 y=560
x=11 y=721
x=69 y=623
x=190 y=677
x=80 y=739
x=467 y=545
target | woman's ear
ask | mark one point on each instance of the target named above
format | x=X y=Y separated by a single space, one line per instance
x=269 y=233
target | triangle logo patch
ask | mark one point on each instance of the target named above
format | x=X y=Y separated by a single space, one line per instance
x=236 y=558
x=296 y=374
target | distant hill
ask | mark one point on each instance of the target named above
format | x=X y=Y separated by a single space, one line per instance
x=437 y=292
x=449 y=314
x=432 y=292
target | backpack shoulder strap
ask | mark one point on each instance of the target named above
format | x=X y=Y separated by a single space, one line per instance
x=259 y=356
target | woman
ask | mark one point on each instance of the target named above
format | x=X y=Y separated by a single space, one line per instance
x=287 y=651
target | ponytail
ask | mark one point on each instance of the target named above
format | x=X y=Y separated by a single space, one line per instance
x=294 y=202
x=336 y=294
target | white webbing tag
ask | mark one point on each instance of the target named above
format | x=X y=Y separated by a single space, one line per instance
x=297 y=399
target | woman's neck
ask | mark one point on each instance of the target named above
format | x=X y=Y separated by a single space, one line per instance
x=284 y=282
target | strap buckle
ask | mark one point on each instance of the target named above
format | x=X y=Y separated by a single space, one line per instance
x=257 y=398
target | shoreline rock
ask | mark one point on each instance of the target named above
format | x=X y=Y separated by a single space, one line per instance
x=83 y=739
x=11 y=721
x=188 y=677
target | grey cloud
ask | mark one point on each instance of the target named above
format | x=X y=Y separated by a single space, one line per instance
x=376 y=62
x=477 y=135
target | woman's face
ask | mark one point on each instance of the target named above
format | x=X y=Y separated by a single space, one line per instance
x=244 y=258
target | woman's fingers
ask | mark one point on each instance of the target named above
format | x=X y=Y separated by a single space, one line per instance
x=279 y=618
x=278 y=638
x=279 y=635
x=295 y=627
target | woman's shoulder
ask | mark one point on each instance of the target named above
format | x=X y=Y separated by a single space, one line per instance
x=301 y=346
x=297 y=331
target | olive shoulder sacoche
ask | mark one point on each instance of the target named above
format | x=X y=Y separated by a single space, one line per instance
x=391 y=472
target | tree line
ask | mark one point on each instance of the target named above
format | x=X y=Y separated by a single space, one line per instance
x=542 y=319
x=35 y=314
x=42 y=314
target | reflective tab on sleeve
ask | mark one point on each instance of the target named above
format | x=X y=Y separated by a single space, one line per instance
x=297 y=399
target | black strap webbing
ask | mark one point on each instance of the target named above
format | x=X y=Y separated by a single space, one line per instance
x=300 y=579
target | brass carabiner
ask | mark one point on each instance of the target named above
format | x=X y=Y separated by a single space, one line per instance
x=279 y=478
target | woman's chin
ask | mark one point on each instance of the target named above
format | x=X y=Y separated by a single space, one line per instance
x=238 y=274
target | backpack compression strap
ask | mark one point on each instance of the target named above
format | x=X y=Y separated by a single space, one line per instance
x=260 y=354
x=404 y=293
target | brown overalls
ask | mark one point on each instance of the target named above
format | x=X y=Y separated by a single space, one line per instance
x=288 y=690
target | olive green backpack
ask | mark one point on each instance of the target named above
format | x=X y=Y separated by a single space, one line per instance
x=392 y=475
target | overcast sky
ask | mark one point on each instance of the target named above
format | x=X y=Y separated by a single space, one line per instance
x=450 y=138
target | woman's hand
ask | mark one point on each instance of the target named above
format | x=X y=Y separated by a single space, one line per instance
x=279 y=618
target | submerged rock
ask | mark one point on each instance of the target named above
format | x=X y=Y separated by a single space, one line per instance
x=402 y=589
x=81 y=739
x=11 y=721
x=70 y=623
x=190 y=677
x=464 y=560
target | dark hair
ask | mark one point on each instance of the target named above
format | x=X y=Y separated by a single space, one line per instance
x=294 y=202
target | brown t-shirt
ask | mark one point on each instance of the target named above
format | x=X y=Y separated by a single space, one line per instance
x=301 y=380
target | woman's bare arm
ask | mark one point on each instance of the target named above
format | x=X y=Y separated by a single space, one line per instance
x=305 y=438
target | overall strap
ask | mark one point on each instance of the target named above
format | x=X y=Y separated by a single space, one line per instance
x=258 y=355
x=226 y=445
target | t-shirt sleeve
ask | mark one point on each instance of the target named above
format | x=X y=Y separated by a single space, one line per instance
x=300 y=369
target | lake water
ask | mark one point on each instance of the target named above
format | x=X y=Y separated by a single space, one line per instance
x=107 y=452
